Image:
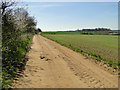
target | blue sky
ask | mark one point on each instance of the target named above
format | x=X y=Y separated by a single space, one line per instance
x=59 y=16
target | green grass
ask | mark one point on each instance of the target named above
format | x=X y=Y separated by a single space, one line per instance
x=101 y=47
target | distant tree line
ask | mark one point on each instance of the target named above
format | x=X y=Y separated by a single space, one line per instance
x=96 y=29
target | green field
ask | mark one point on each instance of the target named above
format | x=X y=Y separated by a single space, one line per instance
x=102 y=47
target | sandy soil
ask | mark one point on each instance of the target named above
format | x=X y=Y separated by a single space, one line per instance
x=51 y=65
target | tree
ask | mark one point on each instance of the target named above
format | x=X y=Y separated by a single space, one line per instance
x=30 y=24
x=16 y=23
x=97 y=29
x=5 y=4
x=39 y=30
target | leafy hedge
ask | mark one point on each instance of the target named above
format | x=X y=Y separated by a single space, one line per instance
x=12 y=55
x=18 y=28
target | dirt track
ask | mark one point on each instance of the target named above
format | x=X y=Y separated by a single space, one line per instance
x=61 y=68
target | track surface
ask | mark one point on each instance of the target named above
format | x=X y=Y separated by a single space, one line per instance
x=61 y=68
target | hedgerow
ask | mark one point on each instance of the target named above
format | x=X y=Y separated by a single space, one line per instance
x=18 y=29
x=12 y=59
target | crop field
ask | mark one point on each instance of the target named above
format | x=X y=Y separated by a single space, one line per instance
x=103 y=47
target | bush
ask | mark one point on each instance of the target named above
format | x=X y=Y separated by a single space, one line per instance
x=12 y=58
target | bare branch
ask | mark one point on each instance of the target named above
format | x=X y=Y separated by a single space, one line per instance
x=6 y=4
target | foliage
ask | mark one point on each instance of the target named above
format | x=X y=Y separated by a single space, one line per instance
x=12 y=55
x=38 y=30
x=97 y=29
x=17 y=31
